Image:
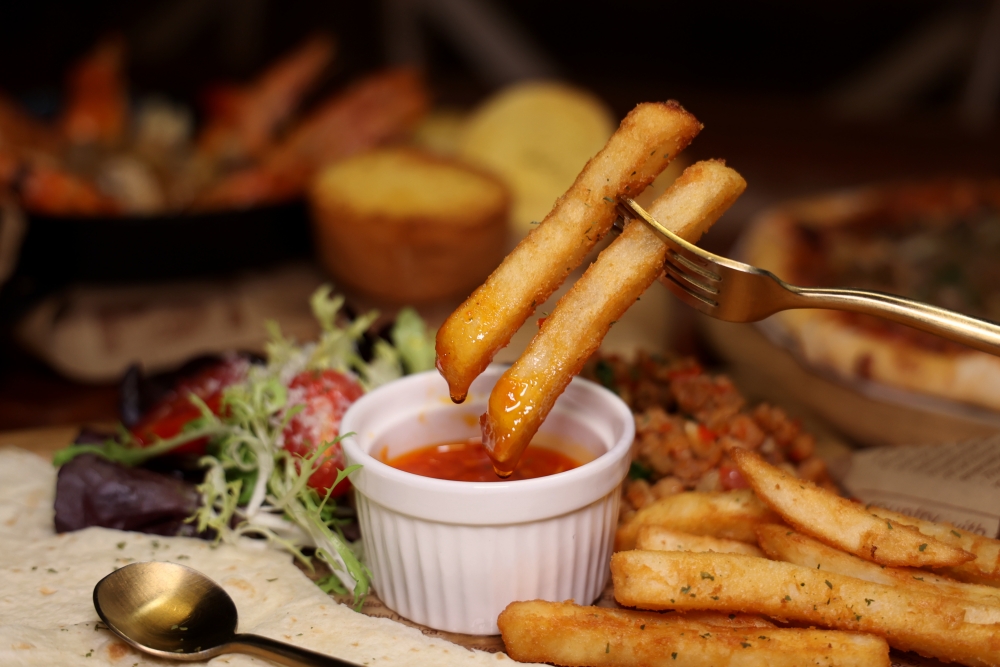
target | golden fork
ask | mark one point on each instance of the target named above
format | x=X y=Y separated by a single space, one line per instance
x=736 y=292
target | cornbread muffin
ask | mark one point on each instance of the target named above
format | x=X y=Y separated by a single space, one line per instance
x=536 y=136
x=408 y=227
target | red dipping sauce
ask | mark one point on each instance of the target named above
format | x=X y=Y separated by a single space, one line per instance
x=467 y=461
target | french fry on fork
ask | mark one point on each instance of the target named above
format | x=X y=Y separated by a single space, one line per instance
x=526 y=392
x=649 y=137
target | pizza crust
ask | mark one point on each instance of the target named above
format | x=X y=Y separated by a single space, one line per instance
x=828 y=340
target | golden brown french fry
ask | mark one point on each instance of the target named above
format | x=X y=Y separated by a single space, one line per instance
x=840 y=522
x=932 y=625
x=728 y=619
x=526 y=392
x=649 y=137
x=732 y=515
x=568 y=634
x=658 y=538
x=783 y=543
x=985 y=569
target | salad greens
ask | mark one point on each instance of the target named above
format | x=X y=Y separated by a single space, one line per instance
x=252 y=485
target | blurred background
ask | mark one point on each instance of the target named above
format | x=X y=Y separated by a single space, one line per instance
x=166 y=184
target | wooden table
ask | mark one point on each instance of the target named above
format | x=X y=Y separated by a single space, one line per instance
x=44 y=441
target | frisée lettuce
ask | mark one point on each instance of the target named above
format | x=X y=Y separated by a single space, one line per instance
x=253 y=485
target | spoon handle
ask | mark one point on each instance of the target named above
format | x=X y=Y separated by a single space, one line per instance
x=281 y=653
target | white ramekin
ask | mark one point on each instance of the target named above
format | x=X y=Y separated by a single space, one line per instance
x=452 y=555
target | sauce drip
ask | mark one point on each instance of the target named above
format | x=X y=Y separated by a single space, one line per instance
x=468 y=461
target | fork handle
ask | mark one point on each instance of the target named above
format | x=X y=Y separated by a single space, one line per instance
x=974 y=332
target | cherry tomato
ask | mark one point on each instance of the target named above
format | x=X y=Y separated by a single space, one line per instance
x=325 y=397
x=168 y=417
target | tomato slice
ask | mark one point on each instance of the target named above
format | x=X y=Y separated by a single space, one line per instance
x=325 y=397
x=175 y=411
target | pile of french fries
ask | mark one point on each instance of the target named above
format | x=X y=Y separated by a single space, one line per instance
x=782 y=573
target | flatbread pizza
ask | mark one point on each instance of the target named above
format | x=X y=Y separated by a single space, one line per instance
x=935 y=242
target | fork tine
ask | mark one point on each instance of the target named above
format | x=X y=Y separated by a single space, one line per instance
x=689 y=281
x=688 y=295
x=697 y=264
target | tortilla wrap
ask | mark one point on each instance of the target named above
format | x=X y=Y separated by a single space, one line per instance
x=47 y=615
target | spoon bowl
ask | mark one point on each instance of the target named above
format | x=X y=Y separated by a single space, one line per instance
x=172 y=611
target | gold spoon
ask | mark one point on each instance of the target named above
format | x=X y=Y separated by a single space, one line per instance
x=172 y=611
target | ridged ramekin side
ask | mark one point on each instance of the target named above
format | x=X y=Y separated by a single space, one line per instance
x=458 y=578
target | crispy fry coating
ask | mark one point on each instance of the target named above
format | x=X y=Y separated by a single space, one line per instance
x=568 y=634
x=649 y=137
x=932 y=625
x=783 y=543
x=525 y=393
x=732 y=515
x=985 y=569
x=728 y=620
x=842 y=523
x=659 y=538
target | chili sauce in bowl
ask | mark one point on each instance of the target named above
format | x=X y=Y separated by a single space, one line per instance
x=466 y=460
x=449 y=544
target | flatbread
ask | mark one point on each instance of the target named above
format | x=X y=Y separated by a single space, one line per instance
x=27 y=493
x=47 y=615
x=934 y=241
